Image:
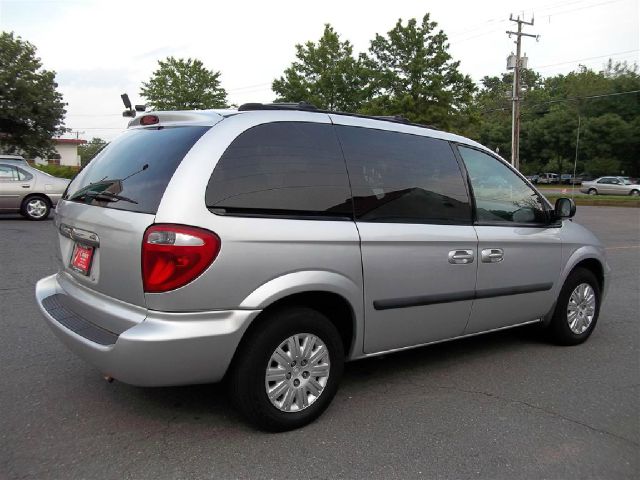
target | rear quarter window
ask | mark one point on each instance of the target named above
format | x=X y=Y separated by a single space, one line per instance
x=137 y=167
x=285 y=169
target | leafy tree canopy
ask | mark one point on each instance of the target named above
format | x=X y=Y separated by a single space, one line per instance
x=31 y=109
x=89 y=150
x=604 y=101
x=416 y=77
x=325 y=74
x=181 y=84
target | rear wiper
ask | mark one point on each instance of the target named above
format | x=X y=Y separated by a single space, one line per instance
x=103 y=197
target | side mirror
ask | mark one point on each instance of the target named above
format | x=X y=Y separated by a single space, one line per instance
x=564 y=208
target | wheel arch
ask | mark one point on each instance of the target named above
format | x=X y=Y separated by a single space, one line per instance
x=332 y=305
x=588 y=260
x=36 y=194
x=594 y=266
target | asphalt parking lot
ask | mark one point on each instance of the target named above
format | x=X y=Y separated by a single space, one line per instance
x=505 y=405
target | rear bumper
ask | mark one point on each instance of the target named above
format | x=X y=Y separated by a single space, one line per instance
x=164 y=349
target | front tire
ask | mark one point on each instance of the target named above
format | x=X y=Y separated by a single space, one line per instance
x=35 y=208
x=287 y=370
x=635 y=193
x=592 y=191
x=577 y=309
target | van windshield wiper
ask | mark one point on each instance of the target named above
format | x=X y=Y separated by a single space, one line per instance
x=102 y=197
x=99 y=188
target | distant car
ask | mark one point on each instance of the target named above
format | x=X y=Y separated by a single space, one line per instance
x=27 y=190
x=13 y=159
x=611 y=186
x=565 y=178
x=631 y=179
x=548 y=178
x=583 y=177
x=533 y=178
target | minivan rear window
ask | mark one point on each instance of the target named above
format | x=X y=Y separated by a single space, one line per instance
x=133 y=171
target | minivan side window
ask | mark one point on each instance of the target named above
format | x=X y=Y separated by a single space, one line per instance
x=501 y=196
x=282 y=169
x=403 y=178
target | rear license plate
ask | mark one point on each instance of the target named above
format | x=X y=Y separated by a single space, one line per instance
x=81 y=258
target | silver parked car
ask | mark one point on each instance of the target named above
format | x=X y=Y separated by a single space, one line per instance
x=13 y=159
x=611 y=186
x=269 y=244
x=27 y=190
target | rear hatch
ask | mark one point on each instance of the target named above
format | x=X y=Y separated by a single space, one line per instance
x=109 y=205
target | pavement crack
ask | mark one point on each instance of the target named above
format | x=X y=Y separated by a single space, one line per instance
x=522 y=402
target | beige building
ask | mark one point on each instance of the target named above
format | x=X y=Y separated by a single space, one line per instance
x=67 y=150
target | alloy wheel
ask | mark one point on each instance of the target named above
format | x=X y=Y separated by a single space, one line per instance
x=36 y=208
x=581 y=308
x=297 y=372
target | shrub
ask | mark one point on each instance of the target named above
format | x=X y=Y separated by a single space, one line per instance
x=61 y=171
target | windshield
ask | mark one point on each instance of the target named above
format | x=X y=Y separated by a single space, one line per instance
x=133 y=171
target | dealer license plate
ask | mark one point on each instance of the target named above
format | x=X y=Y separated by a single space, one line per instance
x=81 y=258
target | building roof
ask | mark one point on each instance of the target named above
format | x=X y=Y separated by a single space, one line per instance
x=69 y=141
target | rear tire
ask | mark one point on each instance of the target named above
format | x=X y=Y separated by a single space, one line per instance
x=592 y=191
x=634 y=193
x=35 y=208
x=292 y=382
x=577 y=309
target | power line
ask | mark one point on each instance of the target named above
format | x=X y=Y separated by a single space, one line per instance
x=584 y=59
x=533 y=11
x=560 y=100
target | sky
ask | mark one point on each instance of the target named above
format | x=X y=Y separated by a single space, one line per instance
x=102 y=48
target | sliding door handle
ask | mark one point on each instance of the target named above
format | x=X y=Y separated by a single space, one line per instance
x=461 y=257
x=492 y=255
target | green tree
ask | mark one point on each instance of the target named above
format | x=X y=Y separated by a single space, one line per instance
x=325 y=74
x=609 y=114
x=181 y=84
x=31 y=109
x=599 y=166
x=89 y=150
x=416 y=77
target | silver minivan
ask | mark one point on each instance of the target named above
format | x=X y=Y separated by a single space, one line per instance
x=266 y=246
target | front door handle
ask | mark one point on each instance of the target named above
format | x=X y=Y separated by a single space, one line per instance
x=26 y=186
x=461 y=257
x=492 y=255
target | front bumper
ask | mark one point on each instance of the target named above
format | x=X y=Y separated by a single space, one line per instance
x=165 y=348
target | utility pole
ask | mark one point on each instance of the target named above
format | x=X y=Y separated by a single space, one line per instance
x=517 y=66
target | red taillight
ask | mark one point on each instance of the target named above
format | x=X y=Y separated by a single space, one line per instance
x=174 y=255
x=149 y=120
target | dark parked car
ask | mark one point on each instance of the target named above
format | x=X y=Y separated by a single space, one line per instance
x=583 y=177
x=566 y=178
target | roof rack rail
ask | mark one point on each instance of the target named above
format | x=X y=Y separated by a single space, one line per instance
x=277 y=106
x=392 y=118
x=309 y=107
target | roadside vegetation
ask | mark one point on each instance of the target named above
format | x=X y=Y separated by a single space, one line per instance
x=599 y=200
x=58 y=170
